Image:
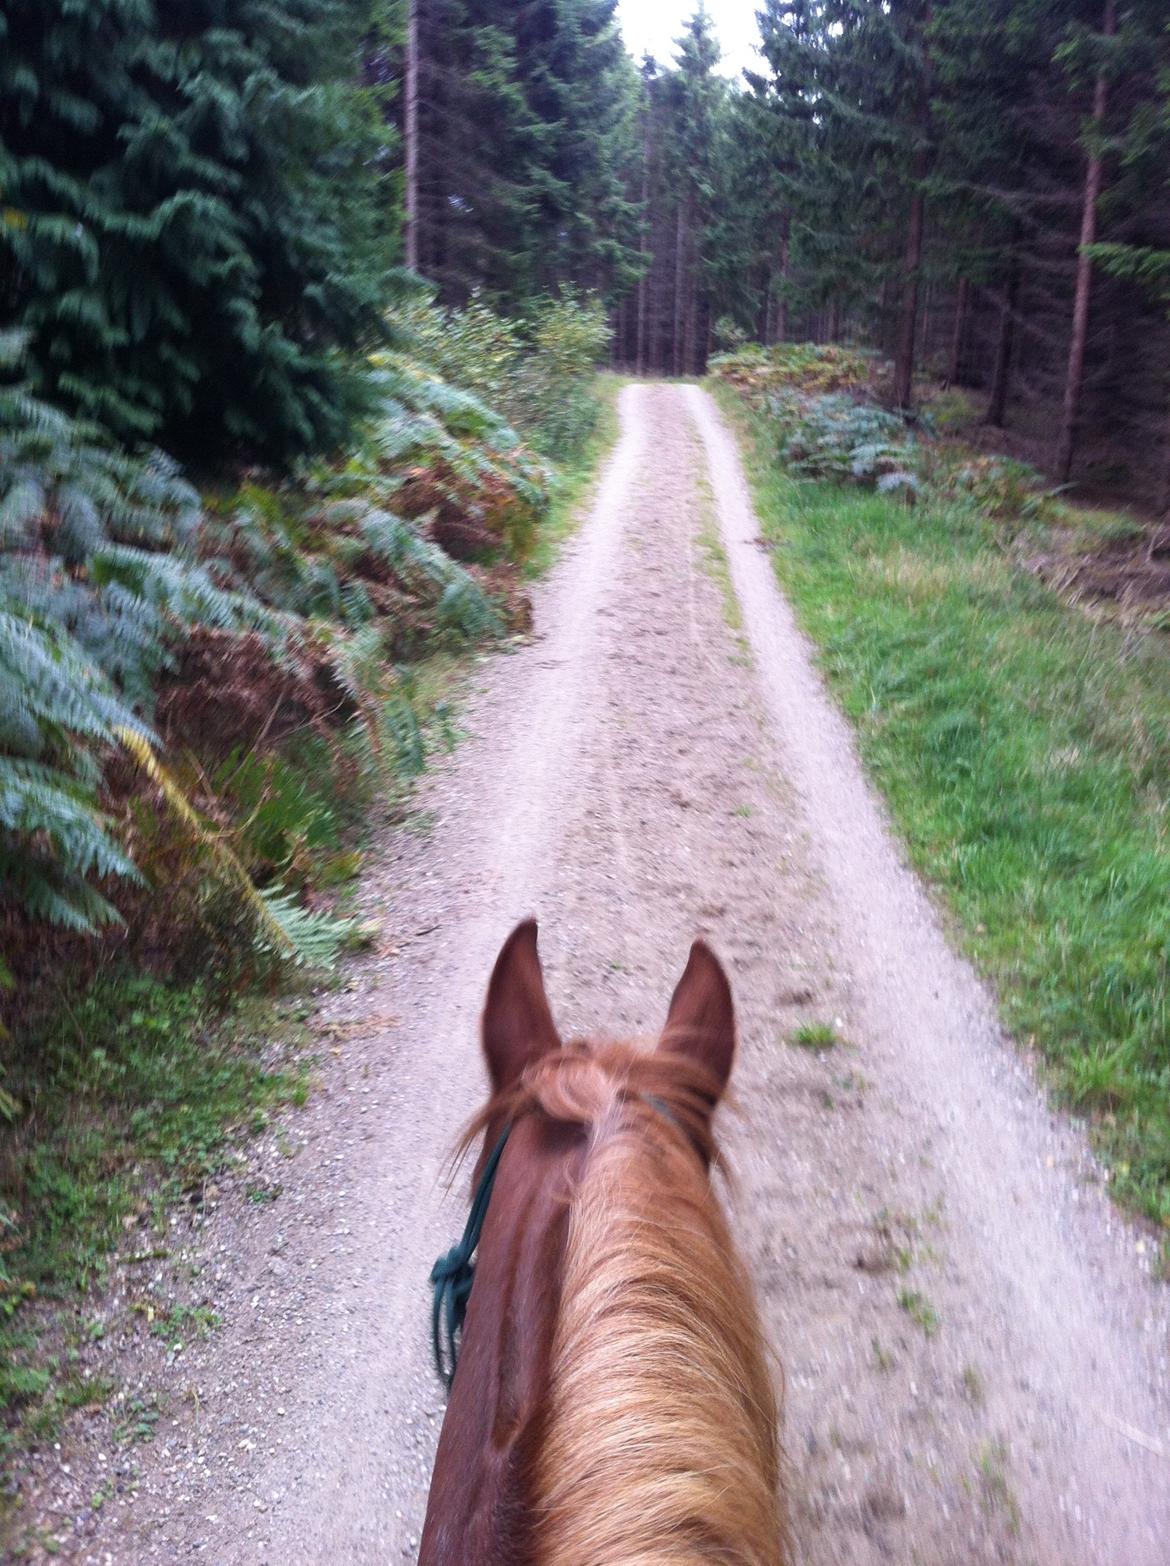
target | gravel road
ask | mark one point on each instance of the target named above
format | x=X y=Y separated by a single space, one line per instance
x=976 y=1355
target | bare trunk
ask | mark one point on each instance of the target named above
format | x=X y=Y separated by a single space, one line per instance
x=410 y=135
x=679 y=292
x=658 y=316
x=911 y=275
x=1001 y=373
x=782 y=291
x=643 y=281
x=690 y=327
x=884 y=313
x=959 y=331
x=1075 y=375
x=834 y=320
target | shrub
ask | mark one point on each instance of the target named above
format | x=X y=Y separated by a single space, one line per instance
x=125 y=609
x=999 y=486
x=729 y=334
x=472 y=347
x=96 y=566
x=835 y=437
x=568 y=336
x=537 y=372
x=756 y=372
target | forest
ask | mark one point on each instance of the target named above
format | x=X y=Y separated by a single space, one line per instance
x=303 y=305
x=978 y=189
x=216 y=233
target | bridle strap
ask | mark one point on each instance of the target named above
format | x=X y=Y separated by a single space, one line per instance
x=453 y=1274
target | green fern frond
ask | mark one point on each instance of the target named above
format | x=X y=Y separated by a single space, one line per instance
x=312 y=940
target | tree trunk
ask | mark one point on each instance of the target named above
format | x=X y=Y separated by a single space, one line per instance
x=1001 y=373
x=690 y=325
x=782 y=291
x=911 y=275
x=834 y=320
x=658 y=314
x=959 y=331
x=883 y=331
x=1075 y=376
x=679 y=291
x=643 y=281
x=1163 y=501
x=410 y=135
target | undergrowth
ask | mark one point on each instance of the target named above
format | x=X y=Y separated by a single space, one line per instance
x=259 y=779
x=1024 y=750
x=136 y=1095
x=577 y=478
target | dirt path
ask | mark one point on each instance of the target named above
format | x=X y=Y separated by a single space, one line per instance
x=976 y=1358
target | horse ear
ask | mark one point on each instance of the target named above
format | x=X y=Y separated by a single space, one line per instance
x=701 y=1021
x=517 y=1024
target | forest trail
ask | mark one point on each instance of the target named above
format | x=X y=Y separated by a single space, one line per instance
x=976 y=1360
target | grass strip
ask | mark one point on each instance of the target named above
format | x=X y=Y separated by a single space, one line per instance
x=1024 y=751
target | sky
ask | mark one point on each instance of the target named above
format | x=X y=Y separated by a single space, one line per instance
x=654 y=25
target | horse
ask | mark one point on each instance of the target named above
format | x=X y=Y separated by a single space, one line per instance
x=613 y=1404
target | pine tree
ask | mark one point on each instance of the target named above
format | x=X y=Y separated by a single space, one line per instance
x=195 y=217
x=785 y=164
x=581 y=86
x=698 y=102
x=526 y=146
x=684 y=166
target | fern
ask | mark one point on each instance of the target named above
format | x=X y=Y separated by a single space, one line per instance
x=98 y=576
x=281 y=928
x=55 y=710
x=310 y=939
x=464 y=612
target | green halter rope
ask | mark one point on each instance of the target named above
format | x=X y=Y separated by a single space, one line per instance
x=453 y=1274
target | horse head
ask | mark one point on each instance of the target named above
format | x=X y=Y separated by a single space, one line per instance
x=600 y=1230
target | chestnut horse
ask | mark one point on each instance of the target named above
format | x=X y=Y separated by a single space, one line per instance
x=612 y=1405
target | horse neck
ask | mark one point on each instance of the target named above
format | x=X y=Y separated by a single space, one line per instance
x=659 y=1435
x=480 y=1510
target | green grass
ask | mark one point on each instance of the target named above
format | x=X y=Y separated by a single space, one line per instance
x=1024 y=750
x=577 y=479
x=817 y=1036
x=920 y=1310
x=714 y=559
x=134 y=1096
x=995 y=1484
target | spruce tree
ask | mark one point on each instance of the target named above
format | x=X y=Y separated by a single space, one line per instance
x=525 y=149
x=195 y=219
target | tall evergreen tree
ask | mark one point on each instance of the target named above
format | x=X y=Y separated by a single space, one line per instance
x=195 y=217
x=525 y=144
x=580 y=84
x=808 y=258
x=698 y=99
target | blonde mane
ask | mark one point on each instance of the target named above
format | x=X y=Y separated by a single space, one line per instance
x=659 y=1438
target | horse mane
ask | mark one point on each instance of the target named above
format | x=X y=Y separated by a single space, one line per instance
x=658 y=1441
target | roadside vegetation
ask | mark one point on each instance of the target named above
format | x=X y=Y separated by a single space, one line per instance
x=147 y=1036
x=260 y=489
x=1017 y=721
